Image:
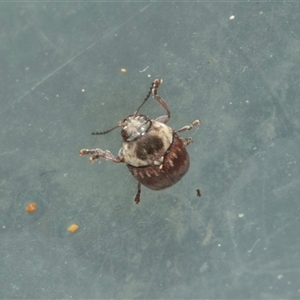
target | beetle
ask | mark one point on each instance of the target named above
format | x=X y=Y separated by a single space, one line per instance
x=153 y=152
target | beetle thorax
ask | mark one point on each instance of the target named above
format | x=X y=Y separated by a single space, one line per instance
x=149 y=148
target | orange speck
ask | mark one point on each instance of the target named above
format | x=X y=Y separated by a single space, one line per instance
x=123 y=70
x=73 y=228
x=31 y=207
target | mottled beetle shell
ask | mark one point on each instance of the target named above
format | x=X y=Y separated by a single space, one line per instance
x=175 y=165
x=158 y=159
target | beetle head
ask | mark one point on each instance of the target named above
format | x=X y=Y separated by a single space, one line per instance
x=134 y=127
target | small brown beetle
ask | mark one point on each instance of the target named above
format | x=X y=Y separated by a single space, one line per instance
x=153 y=152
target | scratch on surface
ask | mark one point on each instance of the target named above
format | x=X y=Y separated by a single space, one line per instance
x=9 y=152
x=80 y=53
x=250 y=250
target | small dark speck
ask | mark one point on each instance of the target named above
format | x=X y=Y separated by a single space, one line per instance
x=41 y=174
x=198 y=193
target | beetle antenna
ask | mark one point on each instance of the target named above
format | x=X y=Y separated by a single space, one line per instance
x=109 y=130
x=146 y=98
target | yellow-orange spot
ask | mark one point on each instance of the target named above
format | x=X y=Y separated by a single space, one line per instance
x=31 y=207
x=123 y=70
x=73 y=228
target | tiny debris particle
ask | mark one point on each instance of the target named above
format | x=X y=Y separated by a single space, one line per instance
x=198 y=193
x=231 y=17
x=123 y=70
x=31 y=207
x=73 y=228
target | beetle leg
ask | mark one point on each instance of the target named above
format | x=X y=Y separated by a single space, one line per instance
x=156 y=84
x=163 y=119
x=137 y=198
x=186 y=141
x=189 y=127
x=97 y=153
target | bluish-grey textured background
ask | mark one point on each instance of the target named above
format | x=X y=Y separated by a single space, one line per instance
x=61 y=79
